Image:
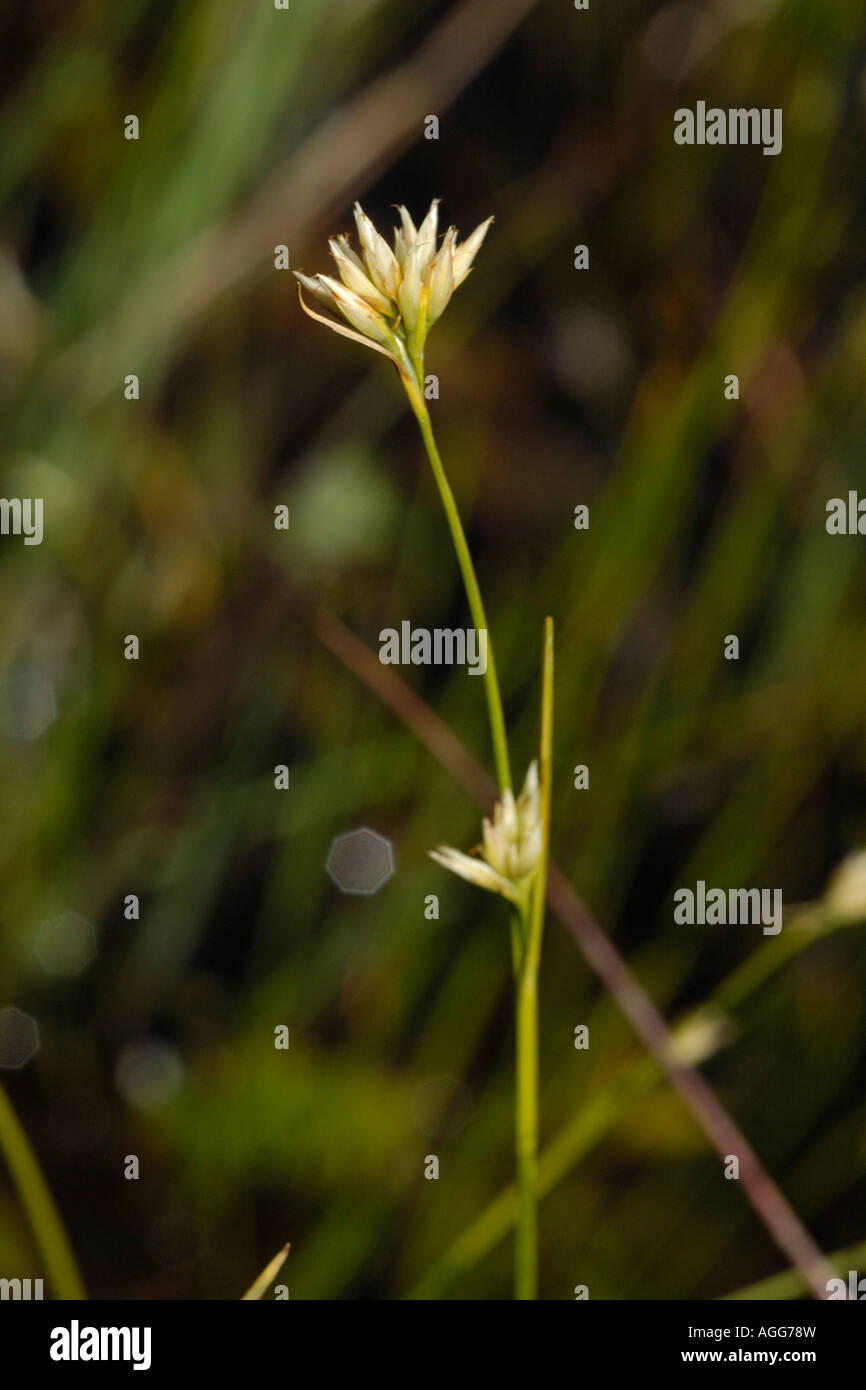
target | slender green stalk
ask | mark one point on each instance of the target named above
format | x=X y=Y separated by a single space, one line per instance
x=527 y=923
x=526 y=1018
x=467 y=569
x=45 y=1220
x=526 y=1136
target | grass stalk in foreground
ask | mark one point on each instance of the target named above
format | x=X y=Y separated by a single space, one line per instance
x=526 y=1015
x=259 y=1287
x=473 y=595
x=46 y=1224
x=528 y=931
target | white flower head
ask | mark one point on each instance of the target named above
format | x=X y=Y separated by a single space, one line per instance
x=511 y=848
x=391 y=298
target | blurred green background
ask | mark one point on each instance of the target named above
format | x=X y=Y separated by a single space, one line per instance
x=557 y=387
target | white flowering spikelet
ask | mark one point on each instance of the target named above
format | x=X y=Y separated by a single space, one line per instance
x=391 y=297
x=511 y=848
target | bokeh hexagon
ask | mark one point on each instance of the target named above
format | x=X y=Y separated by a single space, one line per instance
x=28 y=705
x=65 y=944
x=148 y=1073
x=19 y=1038
x=360 y=861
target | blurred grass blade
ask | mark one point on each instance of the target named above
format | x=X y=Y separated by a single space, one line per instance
x=791 y=1284
x=45 y=1220
x=259 y=1287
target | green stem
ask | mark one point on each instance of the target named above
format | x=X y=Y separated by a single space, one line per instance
x=411 y=382
x=527 y=924
x=526 y=1016
x=526 y=1136
x=45 y=1220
